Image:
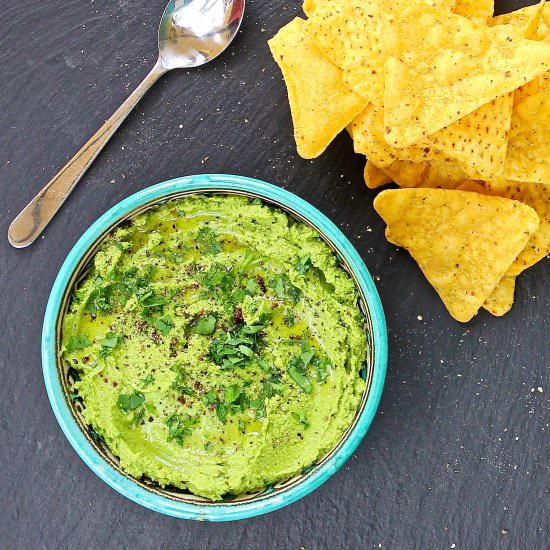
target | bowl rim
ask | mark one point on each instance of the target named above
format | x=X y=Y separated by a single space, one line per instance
x=125 y=485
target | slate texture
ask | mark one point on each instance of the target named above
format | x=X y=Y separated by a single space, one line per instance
x=458 y=456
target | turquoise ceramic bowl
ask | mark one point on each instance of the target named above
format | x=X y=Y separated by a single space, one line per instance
x=96 y=455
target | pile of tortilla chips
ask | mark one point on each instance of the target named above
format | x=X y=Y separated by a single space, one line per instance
x=452 y=105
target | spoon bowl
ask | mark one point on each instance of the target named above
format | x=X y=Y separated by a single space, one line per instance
x=191 y=33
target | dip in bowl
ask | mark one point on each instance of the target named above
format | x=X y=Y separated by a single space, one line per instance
x=214 y=348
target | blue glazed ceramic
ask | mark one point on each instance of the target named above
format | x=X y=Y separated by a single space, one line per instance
x=179 y=504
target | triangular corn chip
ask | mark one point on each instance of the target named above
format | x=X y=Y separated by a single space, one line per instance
x=463 y=242
x=442 y=67
x=367 y=131
x=315 y=90
x=348 y=32
x=502 y=298
x=309 y=6
x=431 y=174
x=374 y=177
x=479 y=140
x=480 y=11
x=528 y=155
x=529 y=21
x=367 y=80
x=537 y=196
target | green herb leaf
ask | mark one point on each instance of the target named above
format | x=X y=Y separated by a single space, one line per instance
x=110 y=341
x=289 y=319
x=149 y=379
x=207 y=241
x=284 y=289
x=108 y=344
x=251 y=287
x=300 y=417
x=221 y=412
x=179 y=427
x=231 y=394
x=300 y=378
x=306 y=357
x=179 y=383
x=250 y=259
x=163 y=324
x=152 y=301
x=303 y=265
x=210 y=398
x=130 y=402
x=78 y=342
x=205 y=325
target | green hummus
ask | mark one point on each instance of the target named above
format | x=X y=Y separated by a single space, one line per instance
x=216 y=346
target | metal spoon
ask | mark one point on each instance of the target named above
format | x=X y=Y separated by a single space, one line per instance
x=191 y=33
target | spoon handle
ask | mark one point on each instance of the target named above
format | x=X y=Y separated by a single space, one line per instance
x=32 y=220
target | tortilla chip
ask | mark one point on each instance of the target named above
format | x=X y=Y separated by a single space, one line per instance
x=367 y=80
x=528 y=155
x=374 y=177
x=480 y=11
x=502 y=298
x=309 y=6
x=321 y=105
x=537 y=196
x=348 y=32
x=464 y=243
x=442 y=67
x=479 y=140
x=431 y=174
x=367 y=131
x=529 y=21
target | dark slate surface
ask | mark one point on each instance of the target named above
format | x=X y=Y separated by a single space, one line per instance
x=458 y=454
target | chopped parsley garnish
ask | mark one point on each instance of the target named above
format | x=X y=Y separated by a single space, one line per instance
x=119 y=288
x=231 y=394
x=250 y=259
x=300 y=416
x=179 y=384
x=251 y=287
x=130 y=402
x=210 y=398
x=152 y=301
x=179 y=427
x=284 y=289
x=149 y=379
x=108 y=344
x=289 y=319
x=221 y=412
x=163 y=324
x=237 y=347
x=296 y=371
x=298 y=366
x=78 y=342
x=207 y=241
x=205 y=325
x=303 y=265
